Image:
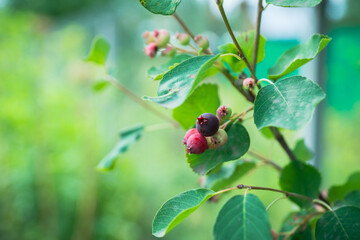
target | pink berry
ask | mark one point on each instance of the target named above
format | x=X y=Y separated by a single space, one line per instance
x=150 y=50
x=162 y=37
x=223 y=113
x=196 y=144
x=148 y=37
x=188 y=134
x=248 y=83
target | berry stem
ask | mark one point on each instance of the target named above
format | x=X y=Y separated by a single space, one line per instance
x=237 y=116
x=138 y=100
x=187 y=30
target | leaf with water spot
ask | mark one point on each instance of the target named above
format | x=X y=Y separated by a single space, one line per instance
x=341 y=224
x=294 y=3
x=178 y=83
x=163 y=7
x=289 y=103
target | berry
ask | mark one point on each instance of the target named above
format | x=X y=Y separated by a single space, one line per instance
x=207 y=124
x=188 y=134
x=168 y=51
x=148 y=37
x=150 y=50
x=202 y=41
x=196 y=144
x=223 y=113
x=162 y=37
x=248 y=83
x=218 y=139
x=183 y=38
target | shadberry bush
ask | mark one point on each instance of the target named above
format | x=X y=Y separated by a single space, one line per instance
x=214 y=147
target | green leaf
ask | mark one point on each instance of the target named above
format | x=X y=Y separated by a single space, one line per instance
x=228 y=174
x=127 y=138
x=351 y=199
x=100 y=85
x=204 y=99
x=163 y=7
x=294 y=3
x=301 y=178
x=99 y=50
x=302 y=152
x=293 y=221
x=297 y=56
x=180 y=81
x=236 y=146
x=289 y=103
x=246 y=41
x=177 y=209
x=266 y=132
x=157 y=73
x=339 y=192
x=242 y=217
x=341 y=224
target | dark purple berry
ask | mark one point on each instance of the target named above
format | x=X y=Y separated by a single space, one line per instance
x=207 y=124
x=196 y=144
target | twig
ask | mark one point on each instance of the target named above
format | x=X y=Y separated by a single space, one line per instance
x=257 y=35
x=138 y=100
x=265 y=160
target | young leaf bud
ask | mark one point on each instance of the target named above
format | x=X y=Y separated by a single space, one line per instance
x=162 y=38
x=183 y=38
x=248 y=83
x=150 y=50
x=202 y=41
x=223 y=113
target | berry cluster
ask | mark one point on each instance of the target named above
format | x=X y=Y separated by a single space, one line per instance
x=207 y=134
x=159 y=40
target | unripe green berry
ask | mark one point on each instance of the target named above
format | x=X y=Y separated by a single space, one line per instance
x=223 y=113
x=162 y=38
x=183 y=38
x=168 y=51
x=218 y=139
x=202 y=41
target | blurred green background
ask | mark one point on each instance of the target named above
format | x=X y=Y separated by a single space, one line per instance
x=54 y=128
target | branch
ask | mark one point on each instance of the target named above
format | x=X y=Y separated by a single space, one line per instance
x=280 y=138
x=257 y=35
x=241 y=52
x=138 y=100
x=242 y=186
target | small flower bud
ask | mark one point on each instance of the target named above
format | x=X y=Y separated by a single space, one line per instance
x=150 y=50
x=202 y=41
x=148 y=37
x=169 y=51
x=162 y=38
x=223 y=113
x=183 y=38
x=249 y=83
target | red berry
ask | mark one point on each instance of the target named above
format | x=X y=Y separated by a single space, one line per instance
x=207 y=124
x=196 y=144
x=151 y=50
x=188 y=134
